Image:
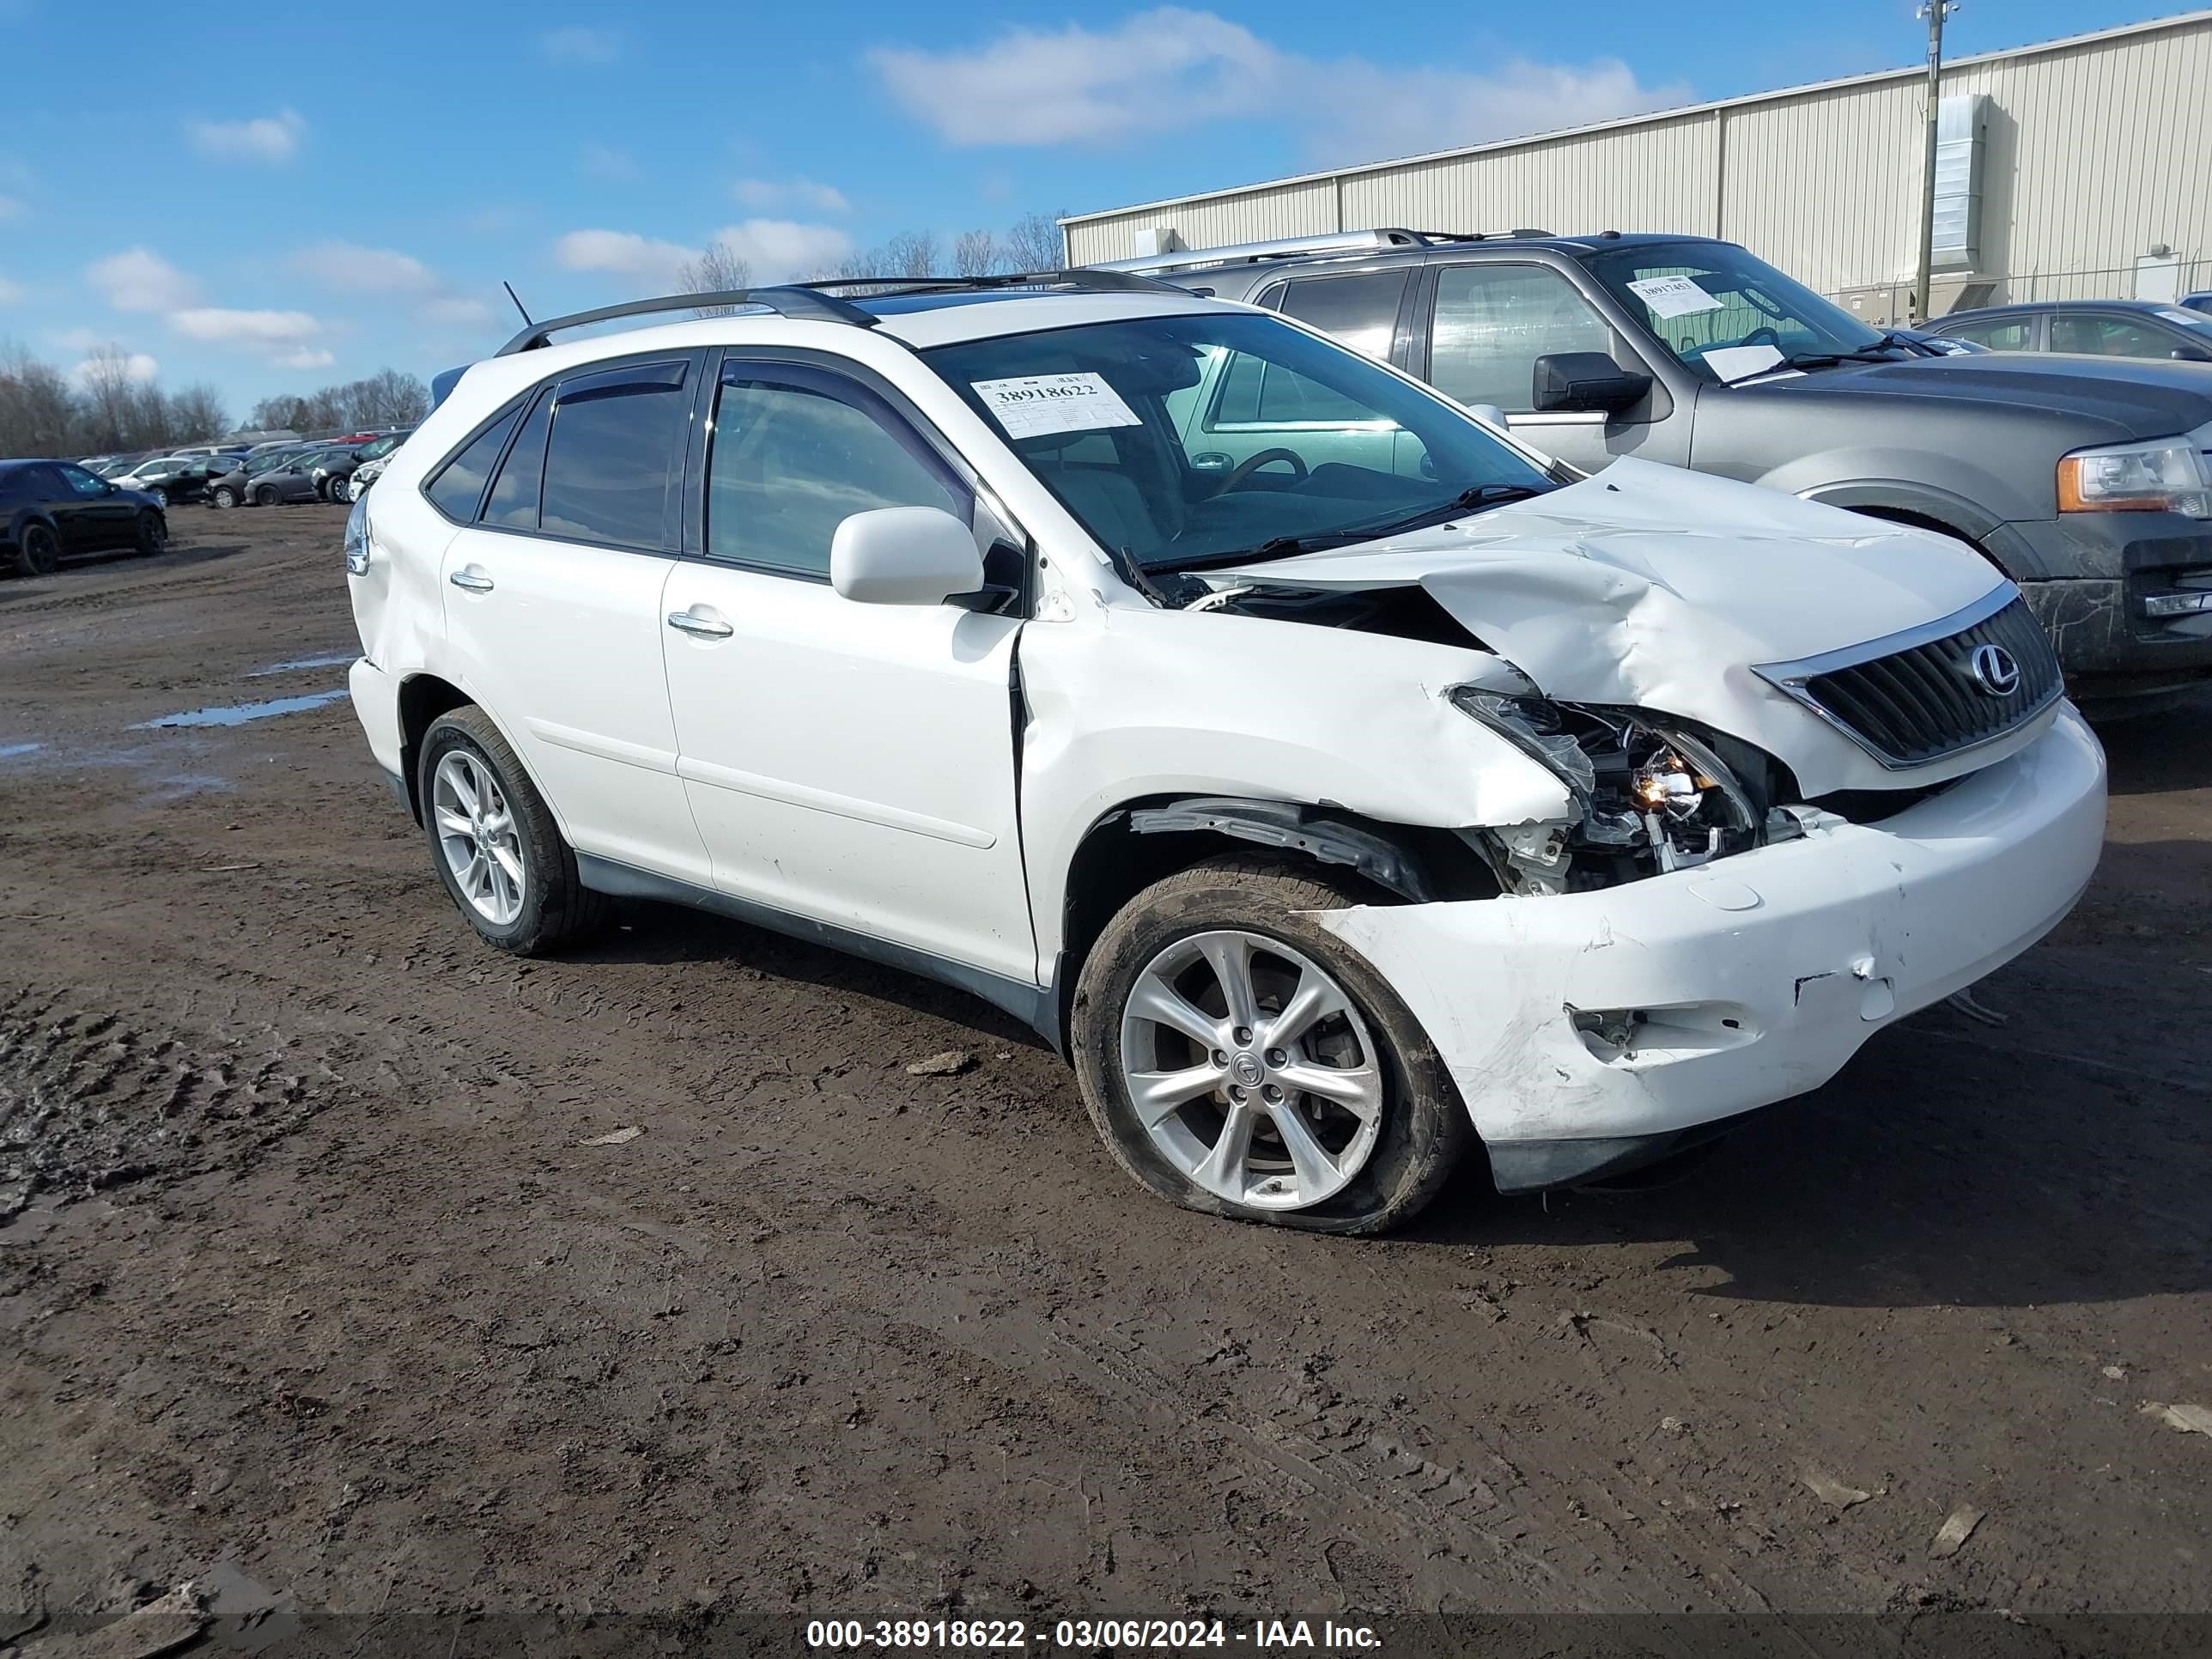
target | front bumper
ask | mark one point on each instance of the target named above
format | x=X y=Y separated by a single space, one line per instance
x=1741 y=982
x=2086 y=576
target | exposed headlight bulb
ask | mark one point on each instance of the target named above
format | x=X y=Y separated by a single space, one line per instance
x=1668 y=783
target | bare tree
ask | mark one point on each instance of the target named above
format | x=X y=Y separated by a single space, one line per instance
x=1034 y=243
x=197 y=413
x=111 y=406
x=39 y=414
x=974 y=253
x=909 y=253
x=718 y=269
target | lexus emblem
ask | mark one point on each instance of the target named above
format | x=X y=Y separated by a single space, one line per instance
x=1995 y=671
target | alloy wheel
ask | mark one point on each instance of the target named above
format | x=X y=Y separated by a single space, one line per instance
x=477 y=838
x=1251 y=1069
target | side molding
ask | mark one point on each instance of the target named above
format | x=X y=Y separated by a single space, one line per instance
x=1036 y=1006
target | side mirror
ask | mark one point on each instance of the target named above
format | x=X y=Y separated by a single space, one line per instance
x=904 y=556
x=1586 y=381
x=2192 y=354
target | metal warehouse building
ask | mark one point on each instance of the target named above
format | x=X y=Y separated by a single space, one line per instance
x=2073 y=169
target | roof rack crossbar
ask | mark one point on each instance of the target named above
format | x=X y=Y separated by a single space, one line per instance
x=797 y=301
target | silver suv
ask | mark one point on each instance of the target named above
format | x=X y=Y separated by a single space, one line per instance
x=2085 y=480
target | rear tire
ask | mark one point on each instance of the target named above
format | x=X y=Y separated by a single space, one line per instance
x=38 y=551
x=1378 y=1166
x=493 y=842
x=265 y=496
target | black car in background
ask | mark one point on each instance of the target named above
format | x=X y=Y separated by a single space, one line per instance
x=297 y=474
x=2091 y=328
x=50 y=508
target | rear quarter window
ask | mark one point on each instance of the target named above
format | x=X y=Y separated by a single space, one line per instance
x=458 y=488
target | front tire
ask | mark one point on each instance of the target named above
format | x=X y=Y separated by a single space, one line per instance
x=265 y=496
x=160 y=497
x=223 y=496
x=494 y=840
x=1237 y=1058
x=152 y=534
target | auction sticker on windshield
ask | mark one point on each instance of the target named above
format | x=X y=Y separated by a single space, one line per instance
x=1672 y=296
x=1035 y=405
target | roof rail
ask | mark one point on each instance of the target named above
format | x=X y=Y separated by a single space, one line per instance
x=797 y=301
x=1095 y=277
x=1342 y=242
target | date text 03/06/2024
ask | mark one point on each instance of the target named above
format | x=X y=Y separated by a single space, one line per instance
x=1090 y=1634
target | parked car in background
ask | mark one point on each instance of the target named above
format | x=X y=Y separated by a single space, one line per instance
x=331 y=470
x=383 y=444
x=363 y=476
x=2093 y=328
x=51 y=509
x=2085 y=481
x=2200 y=301
x=726 y=613
x=276 y=479
x=169 y=479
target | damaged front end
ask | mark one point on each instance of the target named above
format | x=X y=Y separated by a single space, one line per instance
x=1651 y=794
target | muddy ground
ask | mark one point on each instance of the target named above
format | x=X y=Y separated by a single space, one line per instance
x=311 y=1272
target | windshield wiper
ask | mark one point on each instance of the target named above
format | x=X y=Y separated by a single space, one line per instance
x=1283 y=547
x=1873 y=354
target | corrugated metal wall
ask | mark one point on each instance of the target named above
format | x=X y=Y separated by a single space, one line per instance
x=2096 y=151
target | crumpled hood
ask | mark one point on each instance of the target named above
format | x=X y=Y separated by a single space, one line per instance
x=1655 y=587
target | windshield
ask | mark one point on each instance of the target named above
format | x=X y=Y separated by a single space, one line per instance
x=1726 y=316
x=1208 y=437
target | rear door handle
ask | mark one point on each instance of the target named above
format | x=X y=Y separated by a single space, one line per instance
x=705 y=627
x=474 y=581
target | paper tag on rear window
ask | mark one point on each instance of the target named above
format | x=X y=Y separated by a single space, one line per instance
x=1672 y=296
x=1734 y=363
x=1034 y=404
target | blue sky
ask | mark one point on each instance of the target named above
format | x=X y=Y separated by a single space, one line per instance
x=314 y=195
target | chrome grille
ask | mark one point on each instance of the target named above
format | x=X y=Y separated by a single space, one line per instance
x=1916 y=698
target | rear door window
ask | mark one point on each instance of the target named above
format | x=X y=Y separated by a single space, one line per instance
x=1998 y=333
x=1361 y=310
x=614 y=458
x=459 y=487
x=1493 y=321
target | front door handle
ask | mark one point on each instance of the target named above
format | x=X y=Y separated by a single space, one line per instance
x=705 y=627
x=1212 y=461
x=474 y=581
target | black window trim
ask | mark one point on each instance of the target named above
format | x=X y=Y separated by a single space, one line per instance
x=609 y=369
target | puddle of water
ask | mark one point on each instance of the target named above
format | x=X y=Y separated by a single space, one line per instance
x=330 y=659
x=10 y=750
x=239 y=712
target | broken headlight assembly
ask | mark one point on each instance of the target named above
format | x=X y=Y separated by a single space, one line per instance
x=1651 y=795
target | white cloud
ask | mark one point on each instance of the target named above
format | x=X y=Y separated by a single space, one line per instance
x=576 y=44
x=304 y=357
x=780 y=249
x=264 y=138
x=603 y=162
x=1174 y=67
x=220 y=326
x=139 y=279
x=622 y=251
x=136 y=366
x=457 y=312
x=767 y=194
x=352 y=269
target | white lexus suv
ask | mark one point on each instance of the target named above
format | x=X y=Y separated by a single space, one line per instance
x=1336 y=801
